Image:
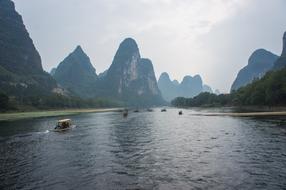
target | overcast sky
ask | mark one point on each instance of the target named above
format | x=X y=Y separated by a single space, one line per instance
x=213 y=38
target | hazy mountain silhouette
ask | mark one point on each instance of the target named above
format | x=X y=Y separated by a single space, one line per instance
x=259 y=63
x=189 y=87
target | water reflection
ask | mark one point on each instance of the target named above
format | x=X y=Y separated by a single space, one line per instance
x=146 y=150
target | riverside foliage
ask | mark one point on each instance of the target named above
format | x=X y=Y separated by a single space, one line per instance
x=270 y=90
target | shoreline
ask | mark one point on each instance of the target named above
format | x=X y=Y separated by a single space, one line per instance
x=247 y=114
x=51 y=113
x=68 y=112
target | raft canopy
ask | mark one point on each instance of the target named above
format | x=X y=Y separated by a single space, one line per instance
x=64 y=121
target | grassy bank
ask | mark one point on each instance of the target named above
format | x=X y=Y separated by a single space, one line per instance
x=38 y=114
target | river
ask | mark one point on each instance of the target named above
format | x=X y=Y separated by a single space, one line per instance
x=146 y=150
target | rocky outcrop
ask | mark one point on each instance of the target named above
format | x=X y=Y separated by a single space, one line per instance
x=76 y=74
x=146 y=78
x=188 y=88
x=20 y=63
x=260 y=62
x=130 y=78
x=281 y=61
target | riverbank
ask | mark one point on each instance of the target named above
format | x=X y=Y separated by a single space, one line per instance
x=247 y=114
x=52 y=113
x=242 y=111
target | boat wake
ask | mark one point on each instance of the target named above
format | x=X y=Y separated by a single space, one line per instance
x=45 y=132
x=41 y=132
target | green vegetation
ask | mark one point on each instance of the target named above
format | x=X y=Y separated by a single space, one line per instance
x=54 y=101
x=203 y=99
x=4 y=102
x=270 y=90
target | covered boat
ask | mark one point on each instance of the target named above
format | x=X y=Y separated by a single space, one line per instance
x=163 y=110
x=125 y=113
x=63 y=125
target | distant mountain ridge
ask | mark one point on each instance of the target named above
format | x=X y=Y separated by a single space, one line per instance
x=189 y=87
x=260 y=62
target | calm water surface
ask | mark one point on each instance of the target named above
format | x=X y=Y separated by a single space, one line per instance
x=147 y=150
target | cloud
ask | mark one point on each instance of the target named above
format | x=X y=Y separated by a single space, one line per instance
x=180 y=18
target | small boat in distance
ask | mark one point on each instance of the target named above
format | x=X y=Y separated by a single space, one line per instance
x=63 y=125
x=163 y=110
x=125 y=113
x=150 y=110
x=136 y=111
x=181 y=112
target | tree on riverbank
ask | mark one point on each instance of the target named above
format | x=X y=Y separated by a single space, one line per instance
x=55 y=101
x=4 y=102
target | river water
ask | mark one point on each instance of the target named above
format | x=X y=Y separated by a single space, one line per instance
x=146 y=150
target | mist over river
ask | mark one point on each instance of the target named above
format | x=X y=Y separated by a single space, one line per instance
x=146 y=150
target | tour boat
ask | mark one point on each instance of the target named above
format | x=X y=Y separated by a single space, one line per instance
x=150 y=110
x=163 y=110
x=63 y=125
x=125 y=112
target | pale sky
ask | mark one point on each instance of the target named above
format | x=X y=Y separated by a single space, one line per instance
x=213 y=38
